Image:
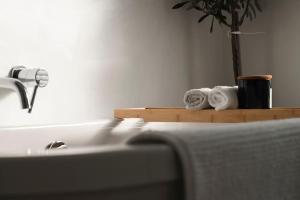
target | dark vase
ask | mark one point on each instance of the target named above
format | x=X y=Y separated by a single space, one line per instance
x=255 y=92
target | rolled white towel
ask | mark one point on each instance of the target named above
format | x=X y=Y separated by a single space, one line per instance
x=223 y=97
x=197 y=99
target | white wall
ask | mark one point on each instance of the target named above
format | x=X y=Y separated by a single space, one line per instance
x=100 y=54
x=208 y=58
x=283 y=51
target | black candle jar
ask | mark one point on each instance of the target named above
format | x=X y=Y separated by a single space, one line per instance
x=255 y=92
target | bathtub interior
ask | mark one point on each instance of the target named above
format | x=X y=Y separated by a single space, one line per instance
x=33 y=140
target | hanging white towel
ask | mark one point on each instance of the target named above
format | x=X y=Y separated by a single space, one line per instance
x=223 y=97
x=196 y=99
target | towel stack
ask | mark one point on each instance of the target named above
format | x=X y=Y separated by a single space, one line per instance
x=220 y=98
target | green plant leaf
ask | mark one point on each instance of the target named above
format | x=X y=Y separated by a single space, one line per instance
x=179 y=5
x=223 y=10
x=252 y=10
x=257 y=5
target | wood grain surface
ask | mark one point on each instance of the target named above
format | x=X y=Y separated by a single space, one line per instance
x=212 y=116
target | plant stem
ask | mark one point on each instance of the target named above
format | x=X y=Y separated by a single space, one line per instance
x=235 y=44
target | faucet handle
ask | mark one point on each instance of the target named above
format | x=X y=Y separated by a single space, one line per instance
x=33 y=98
x=41 y=78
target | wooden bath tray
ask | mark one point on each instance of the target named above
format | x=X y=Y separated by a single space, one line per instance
x=211 y=116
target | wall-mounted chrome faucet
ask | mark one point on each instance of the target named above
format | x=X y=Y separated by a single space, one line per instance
x=20 y=78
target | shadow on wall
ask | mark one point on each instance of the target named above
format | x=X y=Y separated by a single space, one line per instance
x=283 y=48
x=4 y=93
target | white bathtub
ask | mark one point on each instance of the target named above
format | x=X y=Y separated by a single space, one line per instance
x=96 y=164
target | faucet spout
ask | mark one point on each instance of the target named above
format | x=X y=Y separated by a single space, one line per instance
x=18 y=87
